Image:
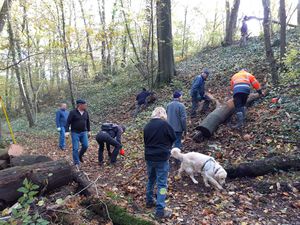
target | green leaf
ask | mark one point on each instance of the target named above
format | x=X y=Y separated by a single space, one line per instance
x=23 y=190
x=59 y=201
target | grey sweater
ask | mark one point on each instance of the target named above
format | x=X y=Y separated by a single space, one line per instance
x=177 y=115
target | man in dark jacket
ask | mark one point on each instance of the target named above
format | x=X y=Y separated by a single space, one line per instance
x=198 y=92
x=177 y=117
x=110 y=134
x=141 y=100
x=61 y=120
x=159 y=137
x=79 y=121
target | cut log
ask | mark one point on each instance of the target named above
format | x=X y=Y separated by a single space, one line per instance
x=3 y=164
x=210 y=124
x=48 y=175
x=264 y=166
x=26 y=160
x=4 y=154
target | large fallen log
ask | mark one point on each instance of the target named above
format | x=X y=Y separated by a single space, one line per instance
x=25 y=160
x=264 y=166
x=48 y=175
x=210 y=124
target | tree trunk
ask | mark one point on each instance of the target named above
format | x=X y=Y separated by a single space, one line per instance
x=166 y=66
x=18 y=74
x=267 y=38
x=298 y=13
x=183 y=48
x=264 y=166
x=282 y=29
x=89 y=45
x=49 y=175
x=65 y=52
x=104 y=42
x=26 y=160
x=231 y=24
x=211 y=123
x=3 y=13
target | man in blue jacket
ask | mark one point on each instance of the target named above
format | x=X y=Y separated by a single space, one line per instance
x=141 y=100
x=177 y=117
x=61 y=120
x=198 y=92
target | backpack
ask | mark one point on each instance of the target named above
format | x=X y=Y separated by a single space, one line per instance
x=106 y=126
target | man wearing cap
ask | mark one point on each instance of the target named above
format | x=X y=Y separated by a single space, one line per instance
x=241 y=83
x=198 y=92
x=79 y=121
x=177 y=117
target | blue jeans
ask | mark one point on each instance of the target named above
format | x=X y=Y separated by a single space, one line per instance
x=177 y=143
x=83 y=139
x=157 y=173
x=62 y=142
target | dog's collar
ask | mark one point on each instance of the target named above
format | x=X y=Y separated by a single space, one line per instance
x=210 y=159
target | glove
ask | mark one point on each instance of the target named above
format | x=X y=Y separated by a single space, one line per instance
x=58 y=129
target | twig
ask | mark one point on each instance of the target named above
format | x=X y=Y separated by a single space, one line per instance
x=90 y=184
x=106 y=208
x=134 y=176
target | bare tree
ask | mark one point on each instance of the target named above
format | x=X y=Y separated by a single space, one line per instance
x=298 y=13
x=166 y=66
x=65 y=52
x=267 y=38
x=87 y=35
x=282 y=13
x=3 y=13
x=183 y=48
x=18 y=73
x=231 y=24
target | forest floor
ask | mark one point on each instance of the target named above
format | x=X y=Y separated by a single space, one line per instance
x=273 y=129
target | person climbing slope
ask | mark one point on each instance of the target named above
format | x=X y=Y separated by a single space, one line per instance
x=241 y=83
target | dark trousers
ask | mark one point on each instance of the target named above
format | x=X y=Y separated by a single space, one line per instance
x=196 y=98
x=104 y=138
x=240 y=100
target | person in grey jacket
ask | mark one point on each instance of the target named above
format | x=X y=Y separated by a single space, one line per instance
x=177 y=117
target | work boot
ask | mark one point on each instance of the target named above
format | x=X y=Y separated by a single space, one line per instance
x=240 y=120
x=166 y=214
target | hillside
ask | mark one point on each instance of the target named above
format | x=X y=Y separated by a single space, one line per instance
x=274 y=129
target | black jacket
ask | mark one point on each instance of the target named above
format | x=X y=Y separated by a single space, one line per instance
x=79 y=123
x=141 y=97
x=158 y=139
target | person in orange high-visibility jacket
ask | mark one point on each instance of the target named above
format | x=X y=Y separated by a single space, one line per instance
x=241 y=83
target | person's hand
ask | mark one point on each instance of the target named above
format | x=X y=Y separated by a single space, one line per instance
x=67 y=134
x=58 y=129
x=89 y=134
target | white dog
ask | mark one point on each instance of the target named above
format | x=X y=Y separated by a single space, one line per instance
x=194 y=162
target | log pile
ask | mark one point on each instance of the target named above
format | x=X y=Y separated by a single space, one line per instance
x=40 y=170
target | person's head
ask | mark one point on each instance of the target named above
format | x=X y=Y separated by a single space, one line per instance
x=63 y=106
x=81 y=104
x=177 y=95
x=205 y=73
x=244 y=69
x=159 y=113
x=123 y=128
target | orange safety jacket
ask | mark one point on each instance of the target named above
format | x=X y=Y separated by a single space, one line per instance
x=241 y=82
